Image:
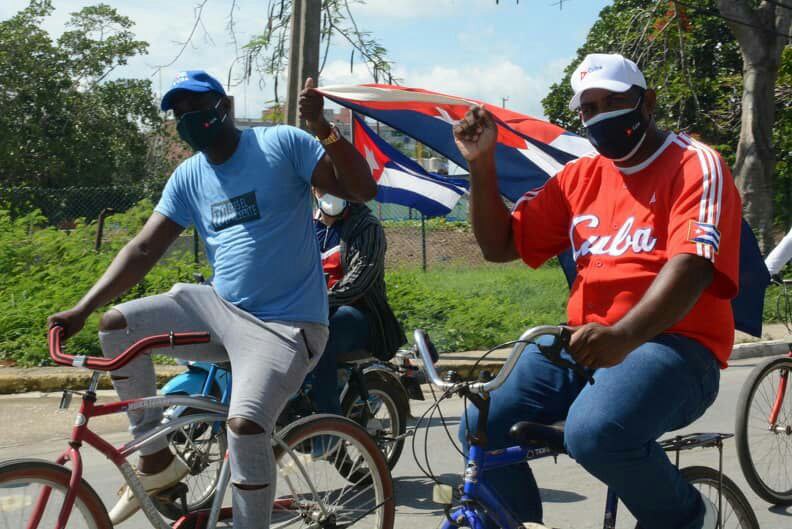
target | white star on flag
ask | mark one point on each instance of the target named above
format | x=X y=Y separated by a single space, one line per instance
x=372 y=160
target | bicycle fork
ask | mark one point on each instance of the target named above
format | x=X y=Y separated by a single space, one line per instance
x=774 y=412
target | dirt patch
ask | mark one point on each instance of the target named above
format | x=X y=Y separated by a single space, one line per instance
x=443 y=247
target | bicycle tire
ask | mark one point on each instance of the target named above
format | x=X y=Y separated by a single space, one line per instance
x=753 y=476
x=398 y=407
x=296 y=434
x=57 y=477
x=733 y=497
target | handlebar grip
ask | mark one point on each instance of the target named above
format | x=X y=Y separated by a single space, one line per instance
x=565 y=337
x=187 y=338
x=553 y=353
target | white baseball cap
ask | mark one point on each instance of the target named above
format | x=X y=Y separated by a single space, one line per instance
x=610 y=71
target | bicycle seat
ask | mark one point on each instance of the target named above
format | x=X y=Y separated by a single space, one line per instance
x=532 y=433
x=355 y=355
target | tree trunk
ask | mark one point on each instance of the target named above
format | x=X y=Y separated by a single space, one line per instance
x=754 y=166
x=759 y=33
x=303 y=54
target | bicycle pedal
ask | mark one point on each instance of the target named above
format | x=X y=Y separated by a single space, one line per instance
x=442 y=494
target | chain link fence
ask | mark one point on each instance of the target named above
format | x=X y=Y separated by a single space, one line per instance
x=413 y=241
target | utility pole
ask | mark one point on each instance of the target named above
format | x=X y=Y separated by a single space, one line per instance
x=503 y=101
x=306 y=27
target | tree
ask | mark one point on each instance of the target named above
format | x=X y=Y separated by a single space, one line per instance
x=267 y=54
x=65 y=123
x=692 y=57
x=762 y=29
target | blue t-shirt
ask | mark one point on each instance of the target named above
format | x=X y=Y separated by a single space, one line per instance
x=254 y=214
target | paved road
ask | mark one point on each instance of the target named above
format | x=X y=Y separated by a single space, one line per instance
x=32 y=428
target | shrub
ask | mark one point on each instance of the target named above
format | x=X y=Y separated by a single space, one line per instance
x=46 y=270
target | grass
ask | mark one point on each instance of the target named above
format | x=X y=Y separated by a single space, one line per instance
x=463 y=308
x=476 y=308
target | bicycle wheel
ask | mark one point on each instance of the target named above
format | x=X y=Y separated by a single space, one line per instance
x=386 y=416
x=22 y=482
x=202 y=445
x=736 y=511
x=313 y=490
x=765 y=449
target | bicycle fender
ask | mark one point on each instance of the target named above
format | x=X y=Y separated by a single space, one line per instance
x=383 y=371
x=191 y=382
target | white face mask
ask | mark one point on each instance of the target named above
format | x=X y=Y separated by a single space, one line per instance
x=332 y=205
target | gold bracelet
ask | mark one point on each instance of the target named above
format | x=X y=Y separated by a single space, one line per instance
x=331 y=138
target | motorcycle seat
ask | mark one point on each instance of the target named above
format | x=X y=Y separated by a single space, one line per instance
x=356 y=355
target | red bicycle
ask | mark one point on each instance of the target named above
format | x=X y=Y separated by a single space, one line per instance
x=346 y=482
x=763 y=430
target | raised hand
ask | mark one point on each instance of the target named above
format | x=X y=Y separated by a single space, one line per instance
x=311 y=105
x=476 y=134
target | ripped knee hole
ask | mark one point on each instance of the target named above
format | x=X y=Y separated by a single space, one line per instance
x=112 y=320
x=245 y=486
x=241 y=426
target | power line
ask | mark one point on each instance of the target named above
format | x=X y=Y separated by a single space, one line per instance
x=718 y=14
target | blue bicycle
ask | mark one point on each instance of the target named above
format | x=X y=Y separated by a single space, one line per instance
x=474 y=503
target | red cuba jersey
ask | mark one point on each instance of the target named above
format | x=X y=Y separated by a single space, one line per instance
x=625 y=224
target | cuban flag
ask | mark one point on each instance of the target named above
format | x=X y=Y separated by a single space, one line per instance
x=704 y=233
x=529 y=151
x=401 y=180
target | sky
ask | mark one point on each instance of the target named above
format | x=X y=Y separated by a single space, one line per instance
x=469 y=48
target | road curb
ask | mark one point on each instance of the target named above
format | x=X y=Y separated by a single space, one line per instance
x=53 y=379
x=760 y=349
x=465 y=366
x=48 y=380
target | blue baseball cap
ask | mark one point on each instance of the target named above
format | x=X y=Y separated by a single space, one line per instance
x=191 y=81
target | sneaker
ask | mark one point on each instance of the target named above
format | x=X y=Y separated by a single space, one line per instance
x=710 y=513
x=128 y=504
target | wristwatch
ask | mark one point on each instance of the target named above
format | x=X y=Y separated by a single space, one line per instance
x=331 y=138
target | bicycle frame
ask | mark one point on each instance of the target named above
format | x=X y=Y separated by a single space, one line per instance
x=476 y=492
x=216 y=412
x=82 y=434
x=782 y=388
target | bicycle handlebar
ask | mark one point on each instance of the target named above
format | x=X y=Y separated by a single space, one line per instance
x=111 y=364
x=424 y=346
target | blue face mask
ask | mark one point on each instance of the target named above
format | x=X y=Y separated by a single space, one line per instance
x=618 y=134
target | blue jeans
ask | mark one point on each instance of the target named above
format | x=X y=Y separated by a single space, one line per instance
x=612 y=426
x=349 y=330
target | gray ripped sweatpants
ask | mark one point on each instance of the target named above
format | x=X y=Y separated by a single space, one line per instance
x=269 y=360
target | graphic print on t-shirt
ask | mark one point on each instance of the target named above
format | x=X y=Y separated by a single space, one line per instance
x=236 y=210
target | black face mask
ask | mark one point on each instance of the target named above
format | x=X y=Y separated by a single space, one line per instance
x=618 y=134
x=201 y=127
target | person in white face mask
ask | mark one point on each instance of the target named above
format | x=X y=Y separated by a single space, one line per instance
x=352 y=244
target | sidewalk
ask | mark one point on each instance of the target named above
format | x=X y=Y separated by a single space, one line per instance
x=775 y=341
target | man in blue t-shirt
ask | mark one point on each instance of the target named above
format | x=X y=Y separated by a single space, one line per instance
x=248 y=194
